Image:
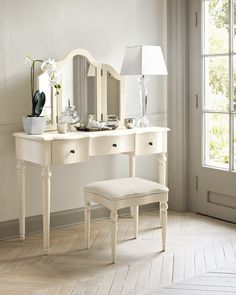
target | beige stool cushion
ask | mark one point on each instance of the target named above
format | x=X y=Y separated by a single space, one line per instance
x=123 y=188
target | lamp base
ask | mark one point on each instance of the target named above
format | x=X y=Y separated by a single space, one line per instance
x=143 y=122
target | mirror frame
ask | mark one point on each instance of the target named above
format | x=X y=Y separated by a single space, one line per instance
x=102 y=72
x=92 y=61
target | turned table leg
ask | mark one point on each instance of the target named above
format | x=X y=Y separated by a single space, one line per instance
x=46 y=175
x=162 y=171
x=162 y=168
x=131 y=174
x=21 y=194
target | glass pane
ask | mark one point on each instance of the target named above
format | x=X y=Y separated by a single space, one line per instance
x=217 y=83
x=217 y=140
x=216 y=26
x=234 y=41
x=235 y=142
x=234 y=83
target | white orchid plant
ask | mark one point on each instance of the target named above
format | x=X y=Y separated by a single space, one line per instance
x=48 y=66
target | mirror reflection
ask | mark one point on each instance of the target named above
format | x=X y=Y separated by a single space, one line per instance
x=113 y=95
x=48 y=90
x=79 y=86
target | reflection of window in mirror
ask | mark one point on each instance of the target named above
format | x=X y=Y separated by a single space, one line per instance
x=113 y=96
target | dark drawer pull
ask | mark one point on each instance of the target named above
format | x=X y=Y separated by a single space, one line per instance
x=114 y=144
x=150 y=143
x=72 y=151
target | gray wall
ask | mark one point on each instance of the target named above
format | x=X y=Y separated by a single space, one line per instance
x=52 y=29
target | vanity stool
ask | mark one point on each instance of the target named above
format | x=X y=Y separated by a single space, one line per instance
x=125 y=192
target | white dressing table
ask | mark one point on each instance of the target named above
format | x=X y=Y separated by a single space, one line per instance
x=52 y=148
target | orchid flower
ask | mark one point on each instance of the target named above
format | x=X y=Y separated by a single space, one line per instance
x=50 y=67
x=28 y=60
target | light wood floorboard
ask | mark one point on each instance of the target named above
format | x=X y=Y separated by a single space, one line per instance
x=200 y=259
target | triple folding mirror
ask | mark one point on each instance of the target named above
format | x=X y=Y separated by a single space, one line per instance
x=92 y=87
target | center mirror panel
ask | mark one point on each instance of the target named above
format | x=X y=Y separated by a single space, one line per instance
x=79 y=86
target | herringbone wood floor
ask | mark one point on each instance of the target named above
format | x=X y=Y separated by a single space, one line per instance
x=200 y=259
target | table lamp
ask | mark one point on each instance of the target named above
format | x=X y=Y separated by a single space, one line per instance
x=143 y=61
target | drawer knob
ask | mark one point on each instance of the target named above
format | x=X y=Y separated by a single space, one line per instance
x=114 y=144
x=72 y=151
x=150 y=143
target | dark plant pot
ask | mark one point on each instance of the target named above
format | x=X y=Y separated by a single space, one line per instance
x=34 y=125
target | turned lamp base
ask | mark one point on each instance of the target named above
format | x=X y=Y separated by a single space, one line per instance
x=143 y=122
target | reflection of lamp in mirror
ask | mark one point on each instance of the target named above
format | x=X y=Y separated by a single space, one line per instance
x=143 y=61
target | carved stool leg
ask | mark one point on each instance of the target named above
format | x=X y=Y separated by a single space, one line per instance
x=163 y=210
x=136 y=221
x=113 y=217
x=87 y=217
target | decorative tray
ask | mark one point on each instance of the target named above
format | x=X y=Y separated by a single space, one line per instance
x=86 y=129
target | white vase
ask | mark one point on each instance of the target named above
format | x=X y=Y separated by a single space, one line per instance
x=34 y=125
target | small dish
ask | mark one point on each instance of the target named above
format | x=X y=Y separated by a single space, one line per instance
x=102 y=124
x=129 y=123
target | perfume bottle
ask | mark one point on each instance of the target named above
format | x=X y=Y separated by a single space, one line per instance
x=70 y=117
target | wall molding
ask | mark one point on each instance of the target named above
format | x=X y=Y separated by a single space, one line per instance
x=8 y=129
x=178 y=104
x=10 y=229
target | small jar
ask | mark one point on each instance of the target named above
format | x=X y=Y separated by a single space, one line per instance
x=92 y=122
x=62 y=123
x=112 y=121
x=62 y=127
x=129 y=123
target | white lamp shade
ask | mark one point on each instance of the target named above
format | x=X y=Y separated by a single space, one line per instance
x=143 y=60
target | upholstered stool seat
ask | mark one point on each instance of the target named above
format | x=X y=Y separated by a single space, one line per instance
x=125 y=192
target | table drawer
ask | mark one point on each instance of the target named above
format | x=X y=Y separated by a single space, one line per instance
x=150 y=143
x=70 y=151
x=107 y=145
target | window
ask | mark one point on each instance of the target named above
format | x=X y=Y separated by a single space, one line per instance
x=219 y=83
